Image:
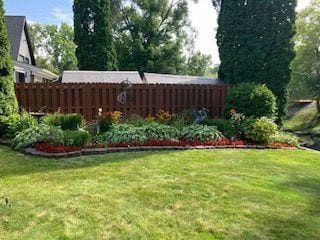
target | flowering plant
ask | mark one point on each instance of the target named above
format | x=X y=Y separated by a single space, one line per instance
x=237 y=120
x=164 y=116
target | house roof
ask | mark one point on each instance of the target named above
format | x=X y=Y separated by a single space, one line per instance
x=153 y=78
x=15 y=26
x=100 y=77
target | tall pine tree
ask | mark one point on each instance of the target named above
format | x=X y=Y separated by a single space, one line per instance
x=8 y=102
x=255 y=43
x=93 y=35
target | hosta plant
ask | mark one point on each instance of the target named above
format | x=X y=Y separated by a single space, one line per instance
x=38 y=134
x=200 y=133
x=156 y=131
x=125 y=133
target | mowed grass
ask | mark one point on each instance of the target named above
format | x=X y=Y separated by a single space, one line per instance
x=210 y=194
x=304 y=120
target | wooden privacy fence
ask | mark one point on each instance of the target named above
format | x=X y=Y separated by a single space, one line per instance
x=145 y=99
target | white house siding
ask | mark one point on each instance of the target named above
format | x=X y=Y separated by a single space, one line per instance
x=24 y=48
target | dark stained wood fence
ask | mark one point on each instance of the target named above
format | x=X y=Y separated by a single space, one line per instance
x=86 y=99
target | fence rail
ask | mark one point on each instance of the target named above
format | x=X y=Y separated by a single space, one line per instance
x=145 y=99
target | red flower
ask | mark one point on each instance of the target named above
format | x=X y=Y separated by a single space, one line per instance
x=232 y=111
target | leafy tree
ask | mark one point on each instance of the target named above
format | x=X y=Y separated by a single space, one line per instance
x=305 y=81
x=54 y=47
x=151 y=35
x=8 y=101
x=93 y=35
x=198 y=64
x=255 y=43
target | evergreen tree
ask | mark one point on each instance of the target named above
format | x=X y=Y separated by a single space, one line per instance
x=8 y=101
x=93 y=35
x=255 y=43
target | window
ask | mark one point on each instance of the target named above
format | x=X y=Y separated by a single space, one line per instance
x=23 y=59
x=20 y=77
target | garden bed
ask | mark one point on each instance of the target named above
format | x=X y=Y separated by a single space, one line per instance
x=50 y=151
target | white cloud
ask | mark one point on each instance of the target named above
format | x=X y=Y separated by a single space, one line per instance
x=62 y=15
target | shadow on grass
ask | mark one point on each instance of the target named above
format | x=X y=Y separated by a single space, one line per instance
x=14 y=163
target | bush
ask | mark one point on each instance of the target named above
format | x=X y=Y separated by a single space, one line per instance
x=104 y=124
x=126 y=133
x=38 y=134
x=183 y=119
x=54 y=119
x=137 y=120
x=252 y=100
x=19 y=122
x=3 y=125
x=200 y=133
x=72 y=122
x=76 y=138
x=260 y=130
x=156 y=131
x=66 y=122
x=223 y=125
x=282 y=137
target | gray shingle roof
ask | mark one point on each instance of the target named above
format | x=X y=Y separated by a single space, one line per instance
x=15 y=27
x=153 y=78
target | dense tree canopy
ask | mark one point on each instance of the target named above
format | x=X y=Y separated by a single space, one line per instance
x=54 y=47
x=305 y=81
x=8 y=102
x=93 y=35
x=151 y=35
x=255 y=43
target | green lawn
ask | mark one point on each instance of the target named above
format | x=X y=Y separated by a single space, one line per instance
x=304 y=120
x=212 y=194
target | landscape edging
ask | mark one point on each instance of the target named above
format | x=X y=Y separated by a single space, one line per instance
x=100 y=151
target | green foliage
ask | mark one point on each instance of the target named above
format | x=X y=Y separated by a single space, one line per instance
x=151 y=35
x=38 y=134
x=19 y=122
x=93 y=35
x=252 y=100
x=200 y=133
x=57 y=42
x=305 y=80
x=8 y=101
x=65 y=122
x=72 y=122
x=223 y=125
x=156 y=131
x=104 y=124
x=183 y=119
x=76 y=138
x=54 y=119
x=260 y=130
x=283 y=137
x=3 y=125
x=126 y=133
x=198 y=64
x=136 y=120
x=256 y=45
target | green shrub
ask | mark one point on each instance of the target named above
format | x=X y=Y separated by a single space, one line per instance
x=66 y=122
x=76 y=138
x=200 y=133
x=54 y=119
x=252 y=100
x=137 y=120
x=260 y=130
x=183 y=119
x=283 y=137
x=19 y=122
x=126 y=133
x=104 y=124
x=156 y=131
x=72 y=122
x=38 y=134
x=3 y=125
x=223 y=125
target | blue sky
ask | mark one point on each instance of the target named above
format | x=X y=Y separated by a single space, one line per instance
x=56 y=11
x=43 y=11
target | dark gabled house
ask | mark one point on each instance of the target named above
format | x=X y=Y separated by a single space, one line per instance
x=25 y=68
